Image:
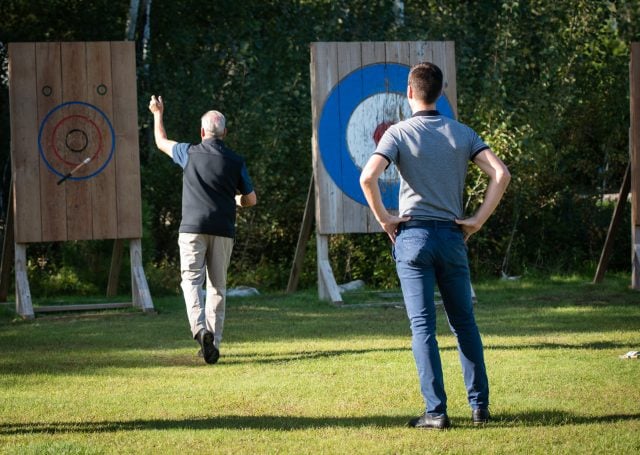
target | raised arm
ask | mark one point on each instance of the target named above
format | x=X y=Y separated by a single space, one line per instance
x=156 y=106
x=499 y=178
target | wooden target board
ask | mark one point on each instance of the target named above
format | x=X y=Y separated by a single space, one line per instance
x=358 y=90
x=74 y=110
x=634 y=148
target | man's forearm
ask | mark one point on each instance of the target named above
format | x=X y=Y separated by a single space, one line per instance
x=160 y=135
x=495 y=190
x=372 y=194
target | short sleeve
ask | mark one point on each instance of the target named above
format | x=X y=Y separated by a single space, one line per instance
x=477 y=145
x=245 y=186
x=387 y=147
x=180 y=153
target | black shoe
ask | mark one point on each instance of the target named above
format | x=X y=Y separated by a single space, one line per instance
x=209 y=351
x=430 y=422
x=480 y=416
x=214 y=360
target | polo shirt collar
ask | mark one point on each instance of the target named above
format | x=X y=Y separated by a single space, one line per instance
x=426 y=113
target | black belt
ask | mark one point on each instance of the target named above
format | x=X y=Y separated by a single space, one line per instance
x=429 y=223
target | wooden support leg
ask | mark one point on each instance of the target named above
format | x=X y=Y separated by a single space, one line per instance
x=7 y=250
x=116 y=266
x=327 y=286
x=24 y=306
x=303 y=238
x=618 y=211
x=139 y=286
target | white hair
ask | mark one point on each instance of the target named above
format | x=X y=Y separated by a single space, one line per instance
x=213 y=122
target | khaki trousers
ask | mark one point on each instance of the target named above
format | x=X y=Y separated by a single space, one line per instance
x=205 y=257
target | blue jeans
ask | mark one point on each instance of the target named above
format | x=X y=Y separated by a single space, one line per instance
x=435 y=252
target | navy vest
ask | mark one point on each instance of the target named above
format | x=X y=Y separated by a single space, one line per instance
x=211 y=177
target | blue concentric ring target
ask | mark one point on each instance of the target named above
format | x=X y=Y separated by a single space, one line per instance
x=73 y=132
x=355 y=115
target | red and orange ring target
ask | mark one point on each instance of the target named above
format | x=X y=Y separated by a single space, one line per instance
x=71 y=133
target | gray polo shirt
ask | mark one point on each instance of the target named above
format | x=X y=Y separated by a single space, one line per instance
x=432 y=153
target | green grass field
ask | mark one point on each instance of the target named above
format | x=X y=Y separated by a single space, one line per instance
x=301 y=376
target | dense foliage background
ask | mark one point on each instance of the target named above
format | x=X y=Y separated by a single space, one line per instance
x=545 y=83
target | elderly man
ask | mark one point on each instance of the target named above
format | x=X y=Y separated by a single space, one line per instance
x=215 y=181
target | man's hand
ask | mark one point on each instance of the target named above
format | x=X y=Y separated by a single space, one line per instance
x=156 y=105
x=469 y=226
x=390 y=225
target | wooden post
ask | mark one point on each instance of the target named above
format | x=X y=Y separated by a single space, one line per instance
x=327 y=286
x=139 y=286
x=635 y=163
x=613 y=227
x=24 y=306
x=116 y=266
x=303 y=238
x=7 y=249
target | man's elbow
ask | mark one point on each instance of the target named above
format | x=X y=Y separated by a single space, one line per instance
x=503 y=176
x=366 y=180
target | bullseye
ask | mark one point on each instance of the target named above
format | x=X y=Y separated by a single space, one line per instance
x=76 y=140
x=380 y=130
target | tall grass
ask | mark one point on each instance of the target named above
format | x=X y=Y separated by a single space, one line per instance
x=301 y=376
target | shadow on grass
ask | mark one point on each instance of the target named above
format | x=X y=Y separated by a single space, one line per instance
x=280 y=423
x=89 y=364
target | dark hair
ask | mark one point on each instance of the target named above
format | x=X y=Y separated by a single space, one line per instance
x=425 y=80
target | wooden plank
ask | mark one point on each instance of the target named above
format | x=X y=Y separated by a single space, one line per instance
x=74 y=89
x=81 y=307
x=53 y=204
x=24 y=306
x=398 y=52
x=635 y=247
x=451 y=88
x=354 y=214
x=116 y=266
x=420 y=51
x=372 y=52
x=303 y=239
x=327 y=286
x=103 y=184
x=127 y=156
x=618 y=211
x=7 y=249
x=24 y=142
x=139 y=285
x=444 y=57
x=324 y=76
x=634 y=80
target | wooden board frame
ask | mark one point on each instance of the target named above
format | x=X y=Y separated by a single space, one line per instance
x=74 y=105
x=331 y=62
x=87 y=89
x=634 y=137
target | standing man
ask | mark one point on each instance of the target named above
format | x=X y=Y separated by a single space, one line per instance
x=215 y=181
x=432 y=153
